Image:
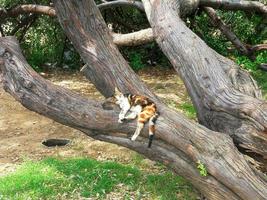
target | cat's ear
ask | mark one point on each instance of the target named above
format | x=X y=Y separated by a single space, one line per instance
x=116 y=92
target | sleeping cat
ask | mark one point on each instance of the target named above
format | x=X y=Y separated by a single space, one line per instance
x=138 y=106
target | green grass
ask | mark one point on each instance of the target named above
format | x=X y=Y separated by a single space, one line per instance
x=54 y=178
x=189 y=110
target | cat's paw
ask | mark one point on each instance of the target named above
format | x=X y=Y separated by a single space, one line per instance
x=133 y=138
x=121 y=120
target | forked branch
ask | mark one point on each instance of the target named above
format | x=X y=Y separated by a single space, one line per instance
x=172 y=147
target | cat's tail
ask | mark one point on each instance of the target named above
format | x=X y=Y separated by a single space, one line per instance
x=152 y=122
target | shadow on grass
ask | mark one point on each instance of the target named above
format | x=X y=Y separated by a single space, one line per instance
x=53 y=178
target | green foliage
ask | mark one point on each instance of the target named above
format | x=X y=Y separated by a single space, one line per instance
x=135 y=59
x=201 y=168
x=250 y=65
x=249 y=29
x=67 y=179
x=43 y=42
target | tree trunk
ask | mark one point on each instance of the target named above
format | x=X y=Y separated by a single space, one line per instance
x=229 y=104
x=179 y=144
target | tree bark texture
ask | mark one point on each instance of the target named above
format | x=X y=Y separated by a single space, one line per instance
x=179 y=144
x=131 y=39
x=224 y=103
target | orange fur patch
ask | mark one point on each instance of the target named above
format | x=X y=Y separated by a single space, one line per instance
x=141 y=120
x=142 y=115
x=152 y=128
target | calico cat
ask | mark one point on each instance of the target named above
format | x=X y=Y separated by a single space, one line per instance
x=139 y=106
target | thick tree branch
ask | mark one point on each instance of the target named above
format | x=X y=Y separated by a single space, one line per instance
x=50 y=11
x=178 y=148
x=25 y=9
x=221 y=106
x=249 y=6
x=133 y=39
x=104 y=62
x=119 y=3
x=130 y=39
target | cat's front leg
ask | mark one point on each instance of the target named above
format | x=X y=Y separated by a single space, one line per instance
x=122 y=115
x=125 y=106
x=121 y=118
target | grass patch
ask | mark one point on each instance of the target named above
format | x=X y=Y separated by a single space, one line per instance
x=54 y=178
x=189 y=110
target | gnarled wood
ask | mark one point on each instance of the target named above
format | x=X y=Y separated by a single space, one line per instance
x=131 y=39
x=179 y=143
x=220 y=105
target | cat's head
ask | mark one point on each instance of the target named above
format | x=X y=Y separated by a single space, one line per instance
x=118 y=96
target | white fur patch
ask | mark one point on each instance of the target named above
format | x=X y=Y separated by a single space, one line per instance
x=136 y=109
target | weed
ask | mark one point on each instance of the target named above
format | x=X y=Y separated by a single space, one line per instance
x=189 y=110
x=201 y=168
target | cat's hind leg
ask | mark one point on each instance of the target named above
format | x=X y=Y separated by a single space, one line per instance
x=142 y=119
x=140 y=126
x=152 y=121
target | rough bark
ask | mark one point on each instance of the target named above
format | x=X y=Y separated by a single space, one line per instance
x=90 y=36
x=221 y=106
x=179 y=143
x=131 y=39
x=249 y=6
x=28 y=8
x=134 y=39
x=119 y=3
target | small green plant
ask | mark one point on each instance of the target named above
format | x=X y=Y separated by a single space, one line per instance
x=136 y=61
x=201 y=168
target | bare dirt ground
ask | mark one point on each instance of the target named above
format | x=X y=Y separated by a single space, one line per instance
x=22 y=131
